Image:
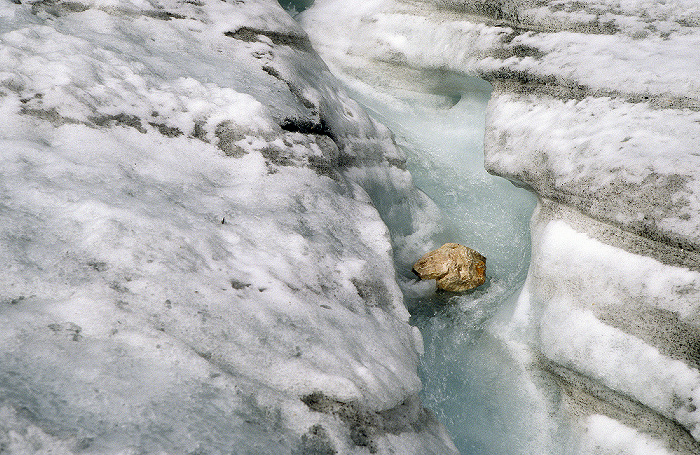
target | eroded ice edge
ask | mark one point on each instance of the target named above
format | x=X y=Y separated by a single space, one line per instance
x=190 y=259
x=595 y=110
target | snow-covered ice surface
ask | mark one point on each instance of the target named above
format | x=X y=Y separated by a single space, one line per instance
x=191 y=261
x=595 y=109
x=620 y=162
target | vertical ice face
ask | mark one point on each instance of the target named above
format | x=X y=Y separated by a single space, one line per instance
x=594 y=109
x=190 y=258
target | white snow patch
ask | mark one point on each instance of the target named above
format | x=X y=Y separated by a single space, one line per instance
x=606 y=436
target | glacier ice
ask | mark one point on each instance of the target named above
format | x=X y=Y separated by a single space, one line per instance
x=198 y=227
x=191 y=261
x=611 y=155
x=475 y=378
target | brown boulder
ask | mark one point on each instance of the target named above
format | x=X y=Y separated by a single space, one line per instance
x=455 y=267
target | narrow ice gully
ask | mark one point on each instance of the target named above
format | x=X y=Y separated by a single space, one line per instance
x=474 y=366
x=188 y=265
x=471 y=369
x=472 y=377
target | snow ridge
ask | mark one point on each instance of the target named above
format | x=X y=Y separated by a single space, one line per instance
x=187 y=246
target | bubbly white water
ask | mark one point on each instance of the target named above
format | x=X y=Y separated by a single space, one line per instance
x=473 y=377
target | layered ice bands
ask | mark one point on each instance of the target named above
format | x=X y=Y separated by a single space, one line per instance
x=190 y=261
x=595 y=110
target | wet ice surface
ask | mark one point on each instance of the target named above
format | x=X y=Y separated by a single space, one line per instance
x=473 y=378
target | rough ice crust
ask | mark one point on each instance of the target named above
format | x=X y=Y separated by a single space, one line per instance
x=607 y=134
x=621 y=162
x=187 y=264
x=595 y=108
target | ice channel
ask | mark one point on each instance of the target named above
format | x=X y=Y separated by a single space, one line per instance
x=473 y=367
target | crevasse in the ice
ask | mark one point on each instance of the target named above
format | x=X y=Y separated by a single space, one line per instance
x=473 y=378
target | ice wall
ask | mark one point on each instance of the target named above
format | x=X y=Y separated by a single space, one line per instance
x=190 y=259
x=595 y=109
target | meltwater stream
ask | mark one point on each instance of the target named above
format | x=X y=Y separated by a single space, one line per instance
x=473 y=378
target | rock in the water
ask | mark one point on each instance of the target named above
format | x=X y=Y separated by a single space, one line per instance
x=455 y=267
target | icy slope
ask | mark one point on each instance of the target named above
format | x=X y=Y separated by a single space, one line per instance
x=595 y=108
x=187 y=266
